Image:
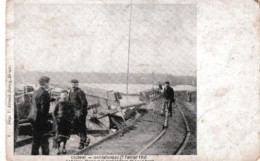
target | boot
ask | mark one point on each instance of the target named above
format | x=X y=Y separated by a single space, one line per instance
x=59 y=151
x=64 y=151
x=81 y=146
x=87 y=142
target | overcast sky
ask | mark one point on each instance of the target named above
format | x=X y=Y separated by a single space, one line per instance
x=95 y=38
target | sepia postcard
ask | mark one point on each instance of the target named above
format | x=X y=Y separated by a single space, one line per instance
x=132 y=80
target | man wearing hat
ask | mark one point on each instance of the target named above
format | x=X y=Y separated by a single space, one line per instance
x=168 y=94
x=38 y=117
x=78 y=98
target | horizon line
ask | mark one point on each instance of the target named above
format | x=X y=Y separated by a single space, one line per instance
x=104 y=72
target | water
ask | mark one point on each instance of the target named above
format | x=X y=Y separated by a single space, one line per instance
x=132 y=88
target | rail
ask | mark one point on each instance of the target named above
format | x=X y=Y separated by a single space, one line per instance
x=187 y=136
x=157 y=137
x=165 y=125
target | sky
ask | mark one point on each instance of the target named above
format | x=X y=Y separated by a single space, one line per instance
x=95 y=38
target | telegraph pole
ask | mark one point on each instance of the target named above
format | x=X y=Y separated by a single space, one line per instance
x=129 y=44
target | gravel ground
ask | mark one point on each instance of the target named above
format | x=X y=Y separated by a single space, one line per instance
x=144 y=130
x=72 y=143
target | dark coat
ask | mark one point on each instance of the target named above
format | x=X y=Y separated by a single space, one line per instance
x=168 y=93
x=63 y=110
x=79 y=101
x=40 y=106
x=63 y=114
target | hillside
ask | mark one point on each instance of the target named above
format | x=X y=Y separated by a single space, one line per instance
x=115 y=78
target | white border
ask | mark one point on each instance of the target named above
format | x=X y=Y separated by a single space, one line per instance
x=2 y=79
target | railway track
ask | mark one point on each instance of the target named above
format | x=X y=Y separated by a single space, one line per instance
x=188 y=132
x=23 y=145
x=139 y=134
x=144 y=134
x=164 y=130
x=118 y=133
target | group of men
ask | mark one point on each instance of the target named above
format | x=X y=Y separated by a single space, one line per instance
x=71 y=108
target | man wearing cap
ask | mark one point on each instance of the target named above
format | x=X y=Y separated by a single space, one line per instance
x=38 y=117
x=168 y=94
x=78 y=98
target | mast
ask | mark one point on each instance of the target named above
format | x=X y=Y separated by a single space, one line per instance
x=129 y=43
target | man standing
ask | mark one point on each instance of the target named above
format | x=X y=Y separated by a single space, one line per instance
x=168 y=94
x=38 y=117
x=78 y=98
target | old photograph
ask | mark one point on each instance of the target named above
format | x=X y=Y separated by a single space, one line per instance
x=105 y=79
x=131 y=80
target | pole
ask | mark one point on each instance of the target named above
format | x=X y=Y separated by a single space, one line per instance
x=129 y=43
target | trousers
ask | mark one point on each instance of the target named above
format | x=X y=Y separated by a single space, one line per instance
x=40 y=139
x=168 y=104
x=79 y=125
